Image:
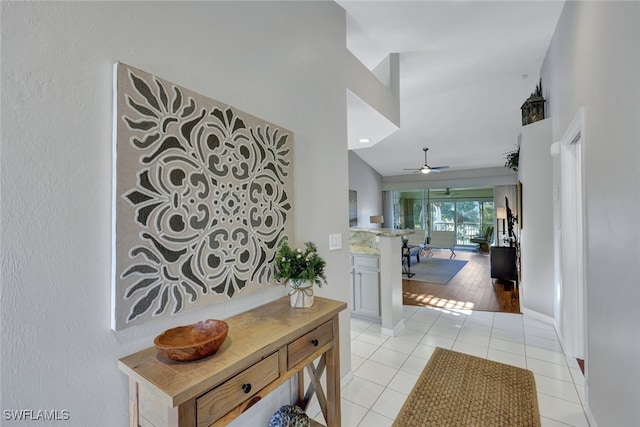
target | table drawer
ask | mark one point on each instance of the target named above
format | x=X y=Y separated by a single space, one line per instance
x=220 y=400
x=307 y=344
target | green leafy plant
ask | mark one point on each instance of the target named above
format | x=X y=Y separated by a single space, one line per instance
x=513 y=158
x=296 y=264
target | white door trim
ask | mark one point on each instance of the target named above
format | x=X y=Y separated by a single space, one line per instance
x=572 y=316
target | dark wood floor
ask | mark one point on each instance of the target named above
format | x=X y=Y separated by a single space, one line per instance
x=470 y=289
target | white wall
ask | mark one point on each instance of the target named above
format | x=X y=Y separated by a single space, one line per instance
x=594 y=62
x=283 y=62
x=368 y=183
x=536 y=237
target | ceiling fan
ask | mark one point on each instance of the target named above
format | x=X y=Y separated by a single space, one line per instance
x=426 y=168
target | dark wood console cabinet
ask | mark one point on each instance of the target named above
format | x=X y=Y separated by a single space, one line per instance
x=504 y=263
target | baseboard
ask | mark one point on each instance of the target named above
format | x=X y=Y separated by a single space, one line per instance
x=375 y=319
x=556 y=327
x=539 y=316
x=590 y=419
x=314 y=409
x=395 y=331
x=543 y=318
x=346 y=379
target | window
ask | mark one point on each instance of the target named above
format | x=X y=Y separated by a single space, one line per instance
x=468 y=212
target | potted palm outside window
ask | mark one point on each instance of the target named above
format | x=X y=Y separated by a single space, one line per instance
x=300 y=268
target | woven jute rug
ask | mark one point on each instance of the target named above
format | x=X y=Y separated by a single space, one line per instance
x=456 y=389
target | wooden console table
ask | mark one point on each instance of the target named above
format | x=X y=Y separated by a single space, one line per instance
x=265 y=347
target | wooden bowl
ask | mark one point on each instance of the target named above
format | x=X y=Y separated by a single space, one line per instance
x=192 y=342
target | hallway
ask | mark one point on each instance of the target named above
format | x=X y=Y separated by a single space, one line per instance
x=386 y=368
x=470 y=315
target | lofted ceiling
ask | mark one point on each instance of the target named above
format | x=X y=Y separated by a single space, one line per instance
x=466 y=67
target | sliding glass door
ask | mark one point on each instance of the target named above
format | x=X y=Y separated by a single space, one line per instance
x=468 y=212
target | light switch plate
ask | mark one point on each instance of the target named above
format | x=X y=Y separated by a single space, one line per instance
x=335 y=242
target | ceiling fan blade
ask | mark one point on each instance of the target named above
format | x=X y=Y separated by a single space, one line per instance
x=426 y=168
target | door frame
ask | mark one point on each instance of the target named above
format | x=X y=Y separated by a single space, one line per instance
x=572 y=287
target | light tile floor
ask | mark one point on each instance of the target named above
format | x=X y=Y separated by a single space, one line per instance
x=386 y=368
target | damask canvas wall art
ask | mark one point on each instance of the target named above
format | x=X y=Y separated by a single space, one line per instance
x=202 y=196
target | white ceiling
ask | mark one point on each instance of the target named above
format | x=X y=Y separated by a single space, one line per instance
x=462 y=68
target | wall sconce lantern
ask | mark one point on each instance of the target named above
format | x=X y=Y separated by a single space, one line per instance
x=533 y=107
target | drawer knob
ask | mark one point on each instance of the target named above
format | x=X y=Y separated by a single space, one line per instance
x=314 y=342
x=246 y=388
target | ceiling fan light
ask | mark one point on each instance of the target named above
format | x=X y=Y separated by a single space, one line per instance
x=425 y=170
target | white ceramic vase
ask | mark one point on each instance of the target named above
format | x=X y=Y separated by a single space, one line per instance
x=301 y=293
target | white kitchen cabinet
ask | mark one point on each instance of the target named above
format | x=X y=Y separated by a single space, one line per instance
x=365 y=285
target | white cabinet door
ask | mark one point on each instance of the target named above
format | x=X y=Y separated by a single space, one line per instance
x=367 y=292
x=365 y=285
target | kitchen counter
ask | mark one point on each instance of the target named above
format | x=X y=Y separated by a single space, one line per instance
x=367 y=240
x=363 y=250
x=386 y=232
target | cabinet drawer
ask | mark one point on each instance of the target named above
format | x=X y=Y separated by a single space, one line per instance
x=366 y=262
x=307 y=344
x=228 y=395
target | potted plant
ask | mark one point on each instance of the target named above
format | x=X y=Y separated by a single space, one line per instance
x=513 y=158
x=301 y=269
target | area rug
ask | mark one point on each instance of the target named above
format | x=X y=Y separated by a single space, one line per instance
x=456 y=389
x=435 y=270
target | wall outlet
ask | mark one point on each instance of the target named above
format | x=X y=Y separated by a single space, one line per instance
x=335 y=242
x=377 y=239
